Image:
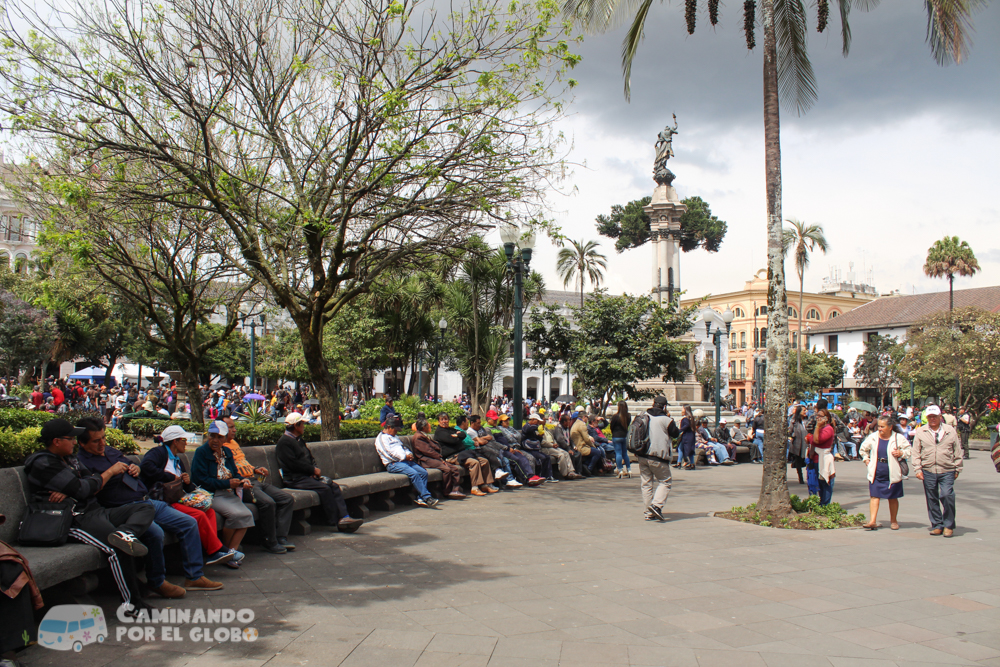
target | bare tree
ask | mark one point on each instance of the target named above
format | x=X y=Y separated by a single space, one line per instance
x=335 y=139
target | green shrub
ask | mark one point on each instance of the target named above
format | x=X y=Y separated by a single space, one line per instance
x=147 y=428
x=16 y=445
x=408 y=407
x=253 y=435
x=359 y=429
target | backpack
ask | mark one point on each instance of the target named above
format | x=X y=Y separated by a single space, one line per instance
x=637 y=440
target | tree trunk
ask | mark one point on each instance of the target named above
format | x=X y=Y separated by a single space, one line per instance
x=324 y=383
x=951 y=292
x=191 y=378
x=774 y=487
x=798 y=348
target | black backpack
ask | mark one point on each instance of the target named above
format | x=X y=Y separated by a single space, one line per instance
x=637 y=440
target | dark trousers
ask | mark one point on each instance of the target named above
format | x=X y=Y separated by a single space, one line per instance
x=94 y=527
x=595 y=460
x=450 y=474
x=520 y=466
x=939 y=488
x=542 y=461
x=485 y=453
x=577 y=459
x=330 y=497
x=274 y=511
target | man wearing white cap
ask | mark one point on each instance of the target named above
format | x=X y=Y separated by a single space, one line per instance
x=937 y=460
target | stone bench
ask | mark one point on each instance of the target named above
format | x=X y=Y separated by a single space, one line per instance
x=353 y=463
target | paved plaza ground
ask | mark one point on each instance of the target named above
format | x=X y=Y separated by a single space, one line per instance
x=570 y=574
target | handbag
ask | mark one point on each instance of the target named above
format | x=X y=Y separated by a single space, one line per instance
x=169 y=492
x=904 y=467
x=46 y=524
x=199 y=499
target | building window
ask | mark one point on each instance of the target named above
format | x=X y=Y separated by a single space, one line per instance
x=813 y=314
x=871 y=336
x=833 y=314
x=756 y=338
x=21 y=263
x=761 y=310
x=795 y=339
x=732 y=341
x=792 y=312
x=743 y=340
x=5 y=259
x=832 y=344
x=743 y=368
x=763 y=336
x=738 y=312
x=710 y=357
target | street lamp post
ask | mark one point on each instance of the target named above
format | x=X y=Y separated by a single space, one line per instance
x=443 y=324
x=716 y=337
x=517 y=247
x=253 y=323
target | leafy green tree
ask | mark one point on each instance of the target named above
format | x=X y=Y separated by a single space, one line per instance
x=26 y=334
x=581 y=261
x=948 y=258
x=806 y=239
x=878 y=367
x=629 y=224
x=356 y=140
x=230 y=358
x=616 y=343
x=818 y=371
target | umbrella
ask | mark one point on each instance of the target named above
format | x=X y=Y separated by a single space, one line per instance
x=861 y=405
x=219 y=385
x=312 y=401
x=566 y=398
x=254 y=397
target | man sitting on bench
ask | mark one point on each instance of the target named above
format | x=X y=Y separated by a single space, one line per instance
x=55 y=474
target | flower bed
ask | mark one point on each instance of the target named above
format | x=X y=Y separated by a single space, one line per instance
x=806 y=515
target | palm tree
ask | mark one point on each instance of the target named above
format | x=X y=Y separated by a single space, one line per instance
x=950 y=257
x=582 y=261
x=787 y=70
x=805 y=238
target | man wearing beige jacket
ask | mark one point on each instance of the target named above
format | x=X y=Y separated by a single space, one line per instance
x=937 y=460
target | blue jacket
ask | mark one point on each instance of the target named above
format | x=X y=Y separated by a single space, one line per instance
x=385 y=412
x=205 y=472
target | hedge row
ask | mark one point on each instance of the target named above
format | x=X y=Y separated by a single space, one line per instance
x=17 y=444
x=251 y=435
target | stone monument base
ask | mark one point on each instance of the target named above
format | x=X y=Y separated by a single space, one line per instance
x=687 y=391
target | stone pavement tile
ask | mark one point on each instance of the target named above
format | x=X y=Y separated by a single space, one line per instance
x=693 y=640
x=650 y=627
x=911 y=610
x=527 y=647
x=839 y=661
x=469 y=627
x=490 y=611
x=660 y=656
x=523 y=662
x=830 y=646
x=858 y=618
x=992 y=599
x=779 y=629
x=816 y=605
x=696 y=621
x=449 y=643
x=512 y=627
x=438 y=616
x=954 y=624
x=397 y=639
x=736 y=636
x=960 y=603
x=820 y=623
x=990 y=639
x=910 y=633
x=608 y=634
x=392 y=620
x=380 y=657
x=800 y=660
x=313 y=653
x=776 y=594
x=964 y=648
x=869 y=638
x=921 y=653
x=712 y=658
x=715 y=603
x=778 y=647
x=439 y=659
x=575 y=653
x=774 y=610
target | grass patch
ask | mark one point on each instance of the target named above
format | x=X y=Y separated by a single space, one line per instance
x=806 y=515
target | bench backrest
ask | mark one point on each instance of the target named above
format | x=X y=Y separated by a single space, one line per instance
x=13 y=501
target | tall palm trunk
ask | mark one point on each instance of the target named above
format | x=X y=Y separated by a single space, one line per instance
x=951 y=292
x=798 y=347
x=774 y=487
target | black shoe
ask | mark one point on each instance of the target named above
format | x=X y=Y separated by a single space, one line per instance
x=349 y=525
x=283 y=541
x=656 y=512
x=275 y=548
x=127 y=543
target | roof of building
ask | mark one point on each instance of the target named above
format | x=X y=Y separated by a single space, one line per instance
x=890 y=312
x=561 y=298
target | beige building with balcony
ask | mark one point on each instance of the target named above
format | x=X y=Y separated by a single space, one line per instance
x=18 y=231
x=748 y=336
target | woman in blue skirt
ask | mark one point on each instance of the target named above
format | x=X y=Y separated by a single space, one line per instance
x=882 y=451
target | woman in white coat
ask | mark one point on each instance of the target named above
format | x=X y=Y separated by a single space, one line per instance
x=882 y=450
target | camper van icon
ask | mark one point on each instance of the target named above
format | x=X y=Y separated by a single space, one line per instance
x=72 y=626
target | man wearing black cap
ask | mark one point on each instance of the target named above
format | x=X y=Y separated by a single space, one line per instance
x=654 y=465
x=55 y=474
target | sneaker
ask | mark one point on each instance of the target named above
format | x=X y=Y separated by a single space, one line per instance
x=428 y=502
x=535 y=480
x=499 y=474
x=202 y=584
x=552 y=479
x=575 y=475
x=283 y=541
x=220 y=556
x=656 y=512
x=275 y=548
x=168 y=590
x=127 y=543
x=432 y=502
x=349 y=524
x=514 y=484
x=728 y=462
x=237 y=556
x=233 y=564
x=650 y=517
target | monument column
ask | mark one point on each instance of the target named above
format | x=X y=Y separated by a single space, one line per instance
x=654 y=241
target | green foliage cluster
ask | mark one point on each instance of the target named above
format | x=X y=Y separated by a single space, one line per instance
x=253 y=435
x=16 y=444
x=810 y=516
x=407 y=407
x=629 y=225
x=879 y=366
x=819 y=371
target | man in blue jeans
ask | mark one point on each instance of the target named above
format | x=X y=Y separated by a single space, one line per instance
x=126 y=489
x=399 y=460
x=937 y=461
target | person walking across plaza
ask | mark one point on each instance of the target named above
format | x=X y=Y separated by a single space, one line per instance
x=937 y=460
x=964 y=428
x=654 y=465
x=882 y=451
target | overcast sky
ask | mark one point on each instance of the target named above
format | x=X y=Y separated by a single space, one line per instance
x=896 y=153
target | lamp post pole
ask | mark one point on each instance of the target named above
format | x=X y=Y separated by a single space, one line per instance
x=420 y=372
x=518 y=249
x=443 y=324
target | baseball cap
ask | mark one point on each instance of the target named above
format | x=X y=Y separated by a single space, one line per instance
x=173 y=432
x=722 y=421
x=660 y=400
x=293 y=418
x=59 y=428
x=504 y=418
x=933 y=410
x=217 y=427
x=491 y=414
x=534 y=415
